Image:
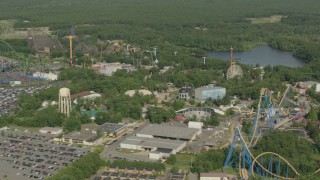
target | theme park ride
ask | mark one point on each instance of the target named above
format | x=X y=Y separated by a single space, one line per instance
x=267 y=165
x=15 y=67
x=71 y=36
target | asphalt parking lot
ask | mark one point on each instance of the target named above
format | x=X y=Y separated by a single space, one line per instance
x=9 y=97
x=33 y=156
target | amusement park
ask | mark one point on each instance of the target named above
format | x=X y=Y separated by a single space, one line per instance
x=271 y=115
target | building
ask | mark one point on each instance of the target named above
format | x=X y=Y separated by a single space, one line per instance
x=109 y=68
x=169 y=132
x=51 y=130
x=47 y=76
x=86 y=95
x=81 y=138
x=185 y=93
x=211 y=92
x=216 y=176
x=199 y=112
x=87 y=136
x=195 y=124
x=112 y=129
x=142 y=92
x=157 y=147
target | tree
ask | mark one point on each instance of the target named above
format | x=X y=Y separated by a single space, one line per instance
x=48 y=117
x=72 y=124
x=174 y=169
x=110 y=117
x=213 y=121
x=172 y=159
x=313 y=114
x=178 y=104
x=208 y=161
x=159 y=114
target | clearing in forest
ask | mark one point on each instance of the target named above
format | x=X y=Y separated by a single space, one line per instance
x=8 y=32
x=271 y=19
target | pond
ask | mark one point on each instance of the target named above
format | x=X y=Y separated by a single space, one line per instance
x=262 y=55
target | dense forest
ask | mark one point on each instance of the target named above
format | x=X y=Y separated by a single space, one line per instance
x=190 y=28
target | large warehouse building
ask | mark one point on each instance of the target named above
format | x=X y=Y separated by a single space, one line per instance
x=160 y=140
x=157 y=148
x=169 y=132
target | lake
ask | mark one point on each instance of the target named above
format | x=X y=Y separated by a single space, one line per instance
x=262 y=55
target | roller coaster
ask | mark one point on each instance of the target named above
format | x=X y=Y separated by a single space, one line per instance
x=267 y=165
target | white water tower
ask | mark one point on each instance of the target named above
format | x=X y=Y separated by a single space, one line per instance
x=64 y=101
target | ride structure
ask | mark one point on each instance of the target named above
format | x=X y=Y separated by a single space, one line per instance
x=71 y=36
x=267 y=164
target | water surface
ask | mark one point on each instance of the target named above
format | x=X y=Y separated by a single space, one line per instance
x=262 y=55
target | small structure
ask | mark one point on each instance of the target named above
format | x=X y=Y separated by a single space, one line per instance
x=210 y=92
x=64 y=101
x=51 y=130
x=15 y=83
x=216 y=176
x=142 y=92
x=112 y=129
x=169 y=132
x=165 y=69
x=195 y=124
x=185 y=93
x=92 y=113
x=47 y=76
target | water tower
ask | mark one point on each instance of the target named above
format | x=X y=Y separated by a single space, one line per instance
x=64 y=101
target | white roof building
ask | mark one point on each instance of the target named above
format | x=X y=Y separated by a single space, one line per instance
x=142 y=92
x=157 y=147
x=195 y=124
x=169 y=132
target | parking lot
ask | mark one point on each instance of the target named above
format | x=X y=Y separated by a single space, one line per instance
x=33 y=156
x=9 y=97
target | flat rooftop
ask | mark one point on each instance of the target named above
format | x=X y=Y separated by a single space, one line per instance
x=160 y=130
x=153 y=142
x=111 y=127
x=83 y=136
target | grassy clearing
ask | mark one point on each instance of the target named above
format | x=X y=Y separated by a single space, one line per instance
x=262 y=20
x=7 y=30
x=228 y=170
x=184 y=161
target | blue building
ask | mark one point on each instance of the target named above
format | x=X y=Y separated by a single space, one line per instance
x=209 y=93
